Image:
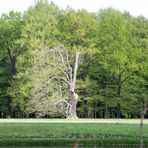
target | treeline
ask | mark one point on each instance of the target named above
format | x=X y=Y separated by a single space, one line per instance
x=113 y=66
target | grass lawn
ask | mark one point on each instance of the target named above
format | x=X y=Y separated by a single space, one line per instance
x=128 y=121
x=60 y=130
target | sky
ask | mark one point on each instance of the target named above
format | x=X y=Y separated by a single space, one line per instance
x=135 y=7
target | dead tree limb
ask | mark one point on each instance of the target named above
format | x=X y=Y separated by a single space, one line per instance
x=69 y=77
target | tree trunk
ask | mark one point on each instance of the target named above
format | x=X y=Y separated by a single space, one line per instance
x=106 y=114
x=70 y=73
x=118 y=100
x=118 y=110
x=71 y=111
x=141 y=125
x=12 y=62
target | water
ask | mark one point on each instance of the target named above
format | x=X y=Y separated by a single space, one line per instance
x=72 y=146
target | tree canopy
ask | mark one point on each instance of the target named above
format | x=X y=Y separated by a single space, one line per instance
x=44 y=44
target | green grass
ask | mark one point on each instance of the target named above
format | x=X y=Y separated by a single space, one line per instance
x=69 y=130
x=50 y=130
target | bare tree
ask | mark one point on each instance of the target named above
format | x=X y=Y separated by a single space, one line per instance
x=69 y=77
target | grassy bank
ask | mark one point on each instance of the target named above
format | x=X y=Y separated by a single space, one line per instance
x=68 y=131
x=66 y=142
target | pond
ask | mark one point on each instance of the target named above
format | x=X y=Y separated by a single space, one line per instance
x=73 y=146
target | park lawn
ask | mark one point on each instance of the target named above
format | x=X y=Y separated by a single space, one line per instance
x=47 y=130
x=127 y=121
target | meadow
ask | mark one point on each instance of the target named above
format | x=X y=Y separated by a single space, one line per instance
x=64 y=130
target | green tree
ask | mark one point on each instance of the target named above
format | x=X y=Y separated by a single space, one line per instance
x=118 y=55
x=10 y=29
x=39 y=30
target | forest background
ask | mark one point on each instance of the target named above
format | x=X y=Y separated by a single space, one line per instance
x=112 y=69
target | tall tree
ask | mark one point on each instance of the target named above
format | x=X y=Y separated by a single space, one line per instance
x=10 y=29
x=118 y=54
x=39 y=29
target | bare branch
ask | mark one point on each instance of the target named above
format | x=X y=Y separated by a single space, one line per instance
x=62 y=101
x=55 y=77
x=75 y=68
x=69 y=67
x=62 y=60
x=68 y=104
x=67 y=60
x=55 y=66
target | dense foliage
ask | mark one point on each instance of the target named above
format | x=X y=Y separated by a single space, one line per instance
x=113 y=67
